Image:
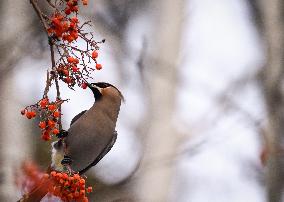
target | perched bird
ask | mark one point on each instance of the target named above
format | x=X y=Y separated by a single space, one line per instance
x=92 y=132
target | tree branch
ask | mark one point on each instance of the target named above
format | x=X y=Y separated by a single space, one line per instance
x=39 y=13
x=38 y=192
x=56 y=80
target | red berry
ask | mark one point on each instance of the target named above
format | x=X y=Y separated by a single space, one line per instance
x=76 y=177
x=70 y=59
x=53 y=173
x=84 y=85
x=68 y=80
x=67 y=11
x=70 y=3
x=56 y=21
x=89 y=189
x=65 y=176
x=51 y=123
x=51 y=107
x=60 y=17
x=72 y=25
x=42 y=124
x=74 y=20
x=55 y=131
x=33 y=113
x=76 y=194
x=66 y=72
x=46 y=137
x=76 y=61
x=98 y=66
x=95 y=54
x=43 y=103
x=82 y=181
x=82 y=192
x=56 y=114
x=28 y=115
x=59 y=175
x=75 y=69
x=75 y=9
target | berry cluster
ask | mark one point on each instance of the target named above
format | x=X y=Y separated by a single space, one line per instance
x=72 y=6
x=64 y=28
x=48 y=114
x=29 y=113
x=69 y=187
x=70 y=73
x=62 y=25
x=29 y=177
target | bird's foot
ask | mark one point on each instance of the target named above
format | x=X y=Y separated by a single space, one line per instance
x=66 y=162
x=62 y=134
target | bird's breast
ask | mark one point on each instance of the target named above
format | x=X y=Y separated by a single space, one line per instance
x=88 y=136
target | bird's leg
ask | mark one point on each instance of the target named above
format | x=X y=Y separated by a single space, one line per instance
x=66 y=162
x=62 y=134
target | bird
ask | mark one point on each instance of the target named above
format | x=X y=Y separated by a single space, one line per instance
x=92 y=132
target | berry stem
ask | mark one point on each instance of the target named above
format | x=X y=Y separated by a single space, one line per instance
x=56 y=79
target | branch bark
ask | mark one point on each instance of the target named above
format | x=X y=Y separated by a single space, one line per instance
x=38 y=192
x=162 y=139
x=41 y=190
x=53 y=66
x=39 y=13
x=273 y=16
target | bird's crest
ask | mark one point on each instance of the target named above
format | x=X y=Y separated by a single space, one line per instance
x=105 y=85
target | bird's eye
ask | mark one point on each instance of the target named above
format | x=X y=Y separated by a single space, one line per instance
x=103 y=84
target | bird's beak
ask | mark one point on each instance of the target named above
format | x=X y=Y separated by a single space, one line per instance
x=94 y=86
x=89 y=85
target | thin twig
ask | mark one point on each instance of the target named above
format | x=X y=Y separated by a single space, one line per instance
x=37 y=10
x=56 y=80
x=51 y=4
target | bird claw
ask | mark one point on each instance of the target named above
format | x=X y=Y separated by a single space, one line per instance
x=66 y=160
x=62 y=134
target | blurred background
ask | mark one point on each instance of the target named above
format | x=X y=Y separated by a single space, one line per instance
x=203 y=84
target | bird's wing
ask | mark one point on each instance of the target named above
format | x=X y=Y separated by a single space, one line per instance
x=102 y=154
x=77 y=117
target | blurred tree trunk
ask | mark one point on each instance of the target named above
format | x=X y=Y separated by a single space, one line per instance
x=273 y=18
x=14 y=148
x=154 y=177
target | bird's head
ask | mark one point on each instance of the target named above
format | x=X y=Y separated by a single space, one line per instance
x=103 y=89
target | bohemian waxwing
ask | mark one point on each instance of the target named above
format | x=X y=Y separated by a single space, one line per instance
x=92 y=132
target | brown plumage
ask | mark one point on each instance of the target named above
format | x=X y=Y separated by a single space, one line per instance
x=92 y=132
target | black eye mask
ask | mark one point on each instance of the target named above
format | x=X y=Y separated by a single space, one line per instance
x=97 y=93
x=103 y=85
